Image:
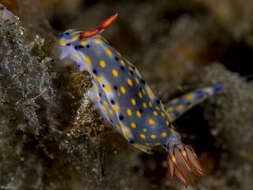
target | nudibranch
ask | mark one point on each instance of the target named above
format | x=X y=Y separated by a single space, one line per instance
x=5 y=14
x=128 y=103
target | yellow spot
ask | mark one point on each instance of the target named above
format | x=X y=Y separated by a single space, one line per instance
x=164 y=134
x=137 y=80
x=109 y=52
x=74 y=38
x=150 y=94
x=138 y=113
x=173 y=159
x=105 y=104
x=102 y=64
x=167 y=123
x=140 y=95
x=98 y=40
x=155 y=113
x=129 y=112
x=83 y=43
x=118 y=127
x=170 y=109
x=133 y=101
x=122 y=63
x=115 y=73
x=133 y=125
x=110 y=112
x=184 y=153
x=147 y=144
x=143 y=91
x=116 y=109
x=151 y=121
x=76 y=32
x=87 y=67
x=153 y=136
x=130 y=68
x=122 y=89
x=172 y=130
x=94 y=76
x=95 y=87
x=118 y=53
x=180 y=107
x=103 y=109
x=142 y=136
x=157 y=107
x=63 y=42
x=208 y=90
x=87 y=60
x=98 y=97
x=144 y=105
x=127 y=133
x=78 y=57
x=189 y=96
x=99 y=79
x=129 y=82
x=162 y=114
x=150 y=104
x=108 y=88
x=144 y=130
x=157 y=144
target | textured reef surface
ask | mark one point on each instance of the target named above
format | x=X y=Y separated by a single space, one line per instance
x=51 y=136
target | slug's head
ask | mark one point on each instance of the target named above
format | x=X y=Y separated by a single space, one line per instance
x=72 y=35
x=183 y=162
x=72 y=40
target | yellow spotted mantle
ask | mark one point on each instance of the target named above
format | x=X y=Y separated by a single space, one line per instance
x=121 y=94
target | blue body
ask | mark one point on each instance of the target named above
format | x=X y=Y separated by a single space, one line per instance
x=121 y=94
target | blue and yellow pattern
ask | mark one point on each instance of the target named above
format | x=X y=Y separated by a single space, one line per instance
x=178 y=106
x=124 y=98
x=122 y=95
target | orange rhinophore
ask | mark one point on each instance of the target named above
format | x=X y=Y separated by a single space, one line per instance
x=88 y=34
x=100 y=29
x=107 y=23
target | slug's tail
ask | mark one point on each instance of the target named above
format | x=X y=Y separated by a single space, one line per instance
x=178 y=106
x=184 y=164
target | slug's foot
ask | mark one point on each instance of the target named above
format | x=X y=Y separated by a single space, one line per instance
x=184 y=164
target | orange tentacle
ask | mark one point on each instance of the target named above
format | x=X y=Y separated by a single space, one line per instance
x=90 y=33
x=107 y=23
